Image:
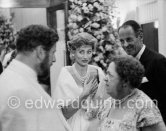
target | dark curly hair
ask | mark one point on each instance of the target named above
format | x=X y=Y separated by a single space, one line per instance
x=129 y=69
x=32 y=36
x=81 y=39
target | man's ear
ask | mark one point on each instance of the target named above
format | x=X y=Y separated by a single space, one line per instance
x=140 y=38
x=40 y=53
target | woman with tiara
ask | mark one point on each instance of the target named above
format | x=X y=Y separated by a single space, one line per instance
x=79 y=82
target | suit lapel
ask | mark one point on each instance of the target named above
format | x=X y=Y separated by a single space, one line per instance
x=146 y=58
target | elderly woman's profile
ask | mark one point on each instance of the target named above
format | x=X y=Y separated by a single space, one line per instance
x=128 y=108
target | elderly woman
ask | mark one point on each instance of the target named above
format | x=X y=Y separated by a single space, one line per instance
x=128 y=108
x=72 y=81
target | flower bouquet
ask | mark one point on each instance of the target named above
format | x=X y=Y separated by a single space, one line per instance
x=94 y=17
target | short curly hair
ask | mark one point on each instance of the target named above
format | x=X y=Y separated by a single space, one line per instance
x=32 y=36
x=81 y=39
x=129 y=69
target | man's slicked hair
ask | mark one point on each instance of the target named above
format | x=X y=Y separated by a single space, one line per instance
x=135 y=26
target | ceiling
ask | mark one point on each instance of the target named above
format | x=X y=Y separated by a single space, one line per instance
x=29 y=3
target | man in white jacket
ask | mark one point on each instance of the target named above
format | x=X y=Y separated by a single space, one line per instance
x=24 y=105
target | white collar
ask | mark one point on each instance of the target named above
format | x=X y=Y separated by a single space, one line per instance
x=23 y=69
x=138 y=56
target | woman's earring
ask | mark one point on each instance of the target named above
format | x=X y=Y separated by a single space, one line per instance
x=72 y=57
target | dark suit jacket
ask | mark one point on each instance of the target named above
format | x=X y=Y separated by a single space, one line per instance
x=1 y=68
x=155 y=71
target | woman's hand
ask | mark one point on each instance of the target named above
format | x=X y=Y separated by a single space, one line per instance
x=89 y=88
x=95 y=124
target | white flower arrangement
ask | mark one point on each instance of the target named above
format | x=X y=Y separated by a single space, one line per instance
x=6 y=32
x=92 y=16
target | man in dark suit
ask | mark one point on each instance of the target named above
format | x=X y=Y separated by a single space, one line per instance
x=131 y=37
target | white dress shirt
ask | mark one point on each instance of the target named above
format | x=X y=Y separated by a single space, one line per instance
x=24 y=104
x=138 y=56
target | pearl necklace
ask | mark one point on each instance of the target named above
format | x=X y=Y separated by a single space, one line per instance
x=118 y=102
x=81 y=78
